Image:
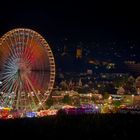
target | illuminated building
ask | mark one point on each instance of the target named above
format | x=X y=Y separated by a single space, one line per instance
x=133 y=66
x=79 y=53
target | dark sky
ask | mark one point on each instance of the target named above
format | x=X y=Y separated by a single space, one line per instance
x=96 y=20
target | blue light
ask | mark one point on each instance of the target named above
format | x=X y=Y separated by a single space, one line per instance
x=30 y=114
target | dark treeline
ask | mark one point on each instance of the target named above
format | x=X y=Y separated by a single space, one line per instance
x=87 y=127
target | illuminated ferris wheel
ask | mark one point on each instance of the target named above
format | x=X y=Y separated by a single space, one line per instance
x=27 y=70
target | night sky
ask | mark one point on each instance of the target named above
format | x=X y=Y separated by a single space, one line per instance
x=83 y=20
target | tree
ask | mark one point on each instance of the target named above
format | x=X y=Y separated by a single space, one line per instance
x=106 y=95
x=117 y=103
x=66 y=99
x=82 y=90
x=131 y=79
x=63 y=85
x=75 y=100
x=91 y=85
x=121 y=91
x=49 y=102
x=137 y=82
x=130 y=86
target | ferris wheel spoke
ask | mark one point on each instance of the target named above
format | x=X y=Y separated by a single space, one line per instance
x=18 y=98
x=6 y=83
x=13 y=47
x=8 y=47
x=29 y=56
x=21 y=46
x=6 y=80
x=30 y=95
x=26 y=38
x=11 y=60
x=29 y=48
x=17 y=44
x=16 y=90
x=9 y=67
x=8 y=96
x=23 y=43
x=8 y=100
x=35 y=93
x=27 y=42
x=7 y=76
x=8 y=72
x=29 y=51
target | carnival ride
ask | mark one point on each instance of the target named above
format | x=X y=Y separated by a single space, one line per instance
x=27 y=70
